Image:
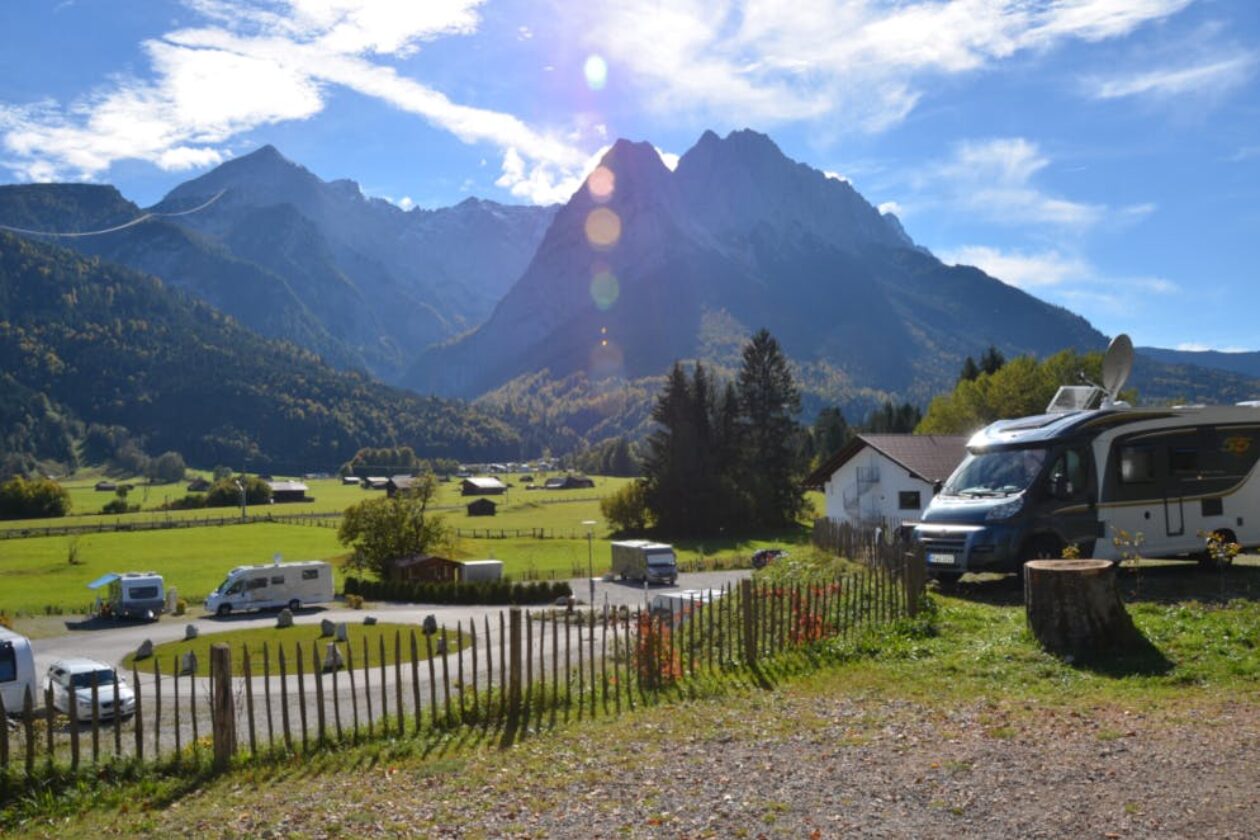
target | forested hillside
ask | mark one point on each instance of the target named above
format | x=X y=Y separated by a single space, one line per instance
x=85 y=341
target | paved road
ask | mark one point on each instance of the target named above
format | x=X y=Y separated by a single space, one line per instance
x=111 y=643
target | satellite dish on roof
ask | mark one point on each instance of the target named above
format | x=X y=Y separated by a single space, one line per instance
x=1117 y=365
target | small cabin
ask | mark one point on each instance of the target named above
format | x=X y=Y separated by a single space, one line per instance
x=350 y=481
x=288 y=491
x=424 y=568
x=106 y=487
x=482 y=486
x=569 y=482
x=482 y=507
x=198 y=485
x=399 y=484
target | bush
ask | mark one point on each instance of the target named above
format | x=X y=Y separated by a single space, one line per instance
x=499 y=592
x=225 y=493
x=193 y=501
x=181 y=606
x=114 y=506
x=34 y=499
x=627 y=509
x=166 y=468
x=354 y=602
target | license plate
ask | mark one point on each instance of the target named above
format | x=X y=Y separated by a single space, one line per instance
x=941 y=559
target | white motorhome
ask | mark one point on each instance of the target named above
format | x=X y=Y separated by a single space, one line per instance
x=643 y=560
x=679 y=606
x=1091 y=468
x=17 y=671
x=131 y=595
x=292 y=585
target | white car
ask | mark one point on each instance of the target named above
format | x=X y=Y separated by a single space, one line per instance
x=71 y=681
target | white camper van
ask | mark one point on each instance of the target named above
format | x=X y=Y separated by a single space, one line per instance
x=1091 y=467
x=643 y=560
x=292 y=585
x=131 y=595
x=17 y=671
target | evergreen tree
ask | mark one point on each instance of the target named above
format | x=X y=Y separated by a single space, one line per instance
x=769 y=402
x=970 y=370
x=891 y=419
x=671 y=457
x=830 y=432
x=992 y=360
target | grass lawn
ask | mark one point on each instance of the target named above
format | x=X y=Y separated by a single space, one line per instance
x=305 y=636
x=36 y=573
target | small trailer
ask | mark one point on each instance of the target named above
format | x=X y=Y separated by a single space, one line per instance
x=477 y=571
x=17 y=671
x=262 y=587
x=131 y=595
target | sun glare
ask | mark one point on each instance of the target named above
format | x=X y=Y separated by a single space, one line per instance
x=603 y=228
x=601 y=183
x=596 y=71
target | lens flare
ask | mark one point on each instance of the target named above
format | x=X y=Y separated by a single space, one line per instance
x=603 y=228
x=601 y=183
x=606 y=360
x=604 y=291
x=596 y=71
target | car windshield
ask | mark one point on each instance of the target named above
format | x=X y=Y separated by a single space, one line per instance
x=999 y=473
x=104 y=677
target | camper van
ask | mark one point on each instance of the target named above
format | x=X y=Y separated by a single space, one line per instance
x=131 y=595
x=1091 y=468
x=646 y=561
x=17 y=671
x=291 y=585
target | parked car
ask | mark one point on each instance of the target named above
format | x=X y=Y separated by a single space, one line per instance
x=765 y=556
x=71 y=681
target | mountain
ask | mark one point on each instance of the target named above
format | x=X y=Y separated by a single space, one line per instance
x=1247 y=363
x=355 y=279
x=684 y=264
x=401 y=280
x=82 y=340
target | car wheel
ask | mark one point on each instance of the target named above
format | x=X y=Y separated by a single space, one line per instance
x=224 y=609
x=295 y=605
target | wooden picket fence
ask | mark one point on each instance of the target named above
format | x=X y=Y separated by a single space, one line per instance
x=513 y=668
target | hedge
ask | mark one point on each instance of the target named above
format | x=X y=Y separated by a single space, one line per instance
x=483 y=592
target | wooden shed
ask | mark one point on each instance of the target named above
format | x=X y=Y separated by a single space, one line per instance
x=427 y=568
x=482 y=507
x=482 y=486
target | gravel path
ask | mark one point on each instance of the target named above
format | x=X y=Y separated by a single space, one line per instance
x=782 y=764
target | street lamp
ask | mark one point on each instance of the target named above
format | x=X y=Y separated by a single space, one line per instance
x=590 y=555
x=241 y=487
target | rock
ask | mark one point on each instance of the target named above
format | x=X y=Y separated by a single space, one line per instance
x=190 y=632
x=145 y=650
x=188 y=663
x=369 y=620
x=285 y=619
x=343 y=632
x=332 y=658
x=327 y=628
x=430 y=625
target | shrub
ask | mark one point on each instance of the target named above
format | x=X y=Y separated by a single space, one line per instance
x=225 y=493
x=499 y=592
x=354 y=602
x=166 y=468
x=118 y=506
x=192 y=501
x=181 y=606
x=626 y=509
x=34 y=499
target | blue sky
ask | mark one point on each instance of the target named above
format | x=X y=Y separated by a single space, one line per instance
x=1102 y=154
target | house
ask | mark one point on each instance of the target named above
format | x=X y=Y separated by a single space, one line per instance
x=198 y=485
x=482 y=486
x=399 y=484
x=288 y=491
x=428 y=568
x=886 y=479
x=106 y=487
x=350 y=480
x=568 y=482
x=481 y=507
x=375 y=482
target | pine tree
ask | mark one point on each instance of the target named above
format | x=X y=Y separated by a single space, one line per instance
x=671 y=456
x=992 y=360
x=830 y=432
x=970 y=371
x=769 y=402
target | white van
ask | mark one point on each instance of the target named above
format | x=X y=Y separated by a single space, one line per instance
x=292 y=585
x=17 y=671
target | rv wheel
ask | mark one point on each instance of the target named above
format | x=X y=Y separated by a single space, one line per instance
x=295 y=605
x=224 y=609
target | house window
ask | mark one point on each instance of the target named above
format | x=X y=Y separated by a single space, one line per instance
x=908 y=500
x=310 y=574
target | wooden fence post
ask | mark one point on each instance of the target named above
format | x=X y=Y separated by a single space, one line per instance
x=514 y=671
x=529 y=662
x=271 y=731
x=472 y=643
x=178 y=735
x=581 y=668
x=248 y=673
x=96 y=717
x=354 y=692
x=591 y=642
x=4 y=746
x=284 y=699
x=503 y=683
x=398 y=684
x=367 y=686
x=50 y=715
x=317 y=673
x=603 y=659
x=489 y=669
x=433 y=705
x=157 y=712
x=298 y=657
x=748 y=606
x=568 y=668
x=415 y=680
x=222 y=713
x=555 y=661
x=138 y=720
x=72 y=712
x=446 y=673
x=28 y=725
x=336 y=691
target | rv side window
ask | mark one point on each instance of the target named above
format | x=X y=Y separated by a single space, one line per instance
x=256 y=583
x=138 y=592
x=1137 y=465
x=310 y=574
x=277 y=580
x=236 y=588
x=8 y=663
x=1183 y=461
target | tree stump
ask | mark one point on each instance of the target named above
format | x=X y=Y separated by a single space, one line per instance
x=1074 y=608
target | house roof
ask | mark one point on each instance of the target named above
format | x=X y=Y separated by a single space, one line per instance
x=419 y=559
x=485 y=483
x=928 y=457
x=287 y=487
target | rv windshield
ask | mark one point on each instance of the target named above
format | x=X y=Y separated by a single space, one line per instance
x=664 y=558
x=999 y=473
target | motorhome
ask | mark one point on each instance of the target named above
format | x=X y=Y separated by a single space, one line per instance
x=131 y=595
x=1092 y=470
x=17 y=671
x=646 y=561
x=292 y=585
x=679 y=606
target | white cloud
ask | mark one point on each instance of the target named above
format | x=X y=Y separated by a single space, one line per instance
x=836 y=176
x=1016 y=268
x=267 y=61
x=1199 y=347
x=1210 y=78
x=856 y=61
x=668 y=158
x=995 y=178
x=890 y=207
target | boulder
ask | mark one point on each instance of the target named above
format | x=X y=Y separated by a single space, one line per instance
x=145 y=650
x=188 y=664
x=285 y=619
x=343 y=632
x=190 y=632
x=332 y=658
x=430 y=625
x=369 y=620
x=327 y=628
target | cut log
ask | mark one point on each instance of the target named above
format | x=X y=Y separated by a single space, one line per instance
x=1074 y=608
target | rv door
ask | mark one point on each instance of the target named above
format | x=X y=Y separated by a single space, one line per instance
x=1072 y=491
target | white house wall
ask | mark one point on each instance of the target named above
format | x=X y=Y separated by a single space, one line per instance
x=879 y=501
